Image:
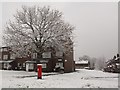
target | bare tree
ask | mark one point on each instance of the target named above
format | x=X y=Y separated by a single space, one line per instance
x=84 y=57
x=100 y=63
x=35 y=28
x=92 y=62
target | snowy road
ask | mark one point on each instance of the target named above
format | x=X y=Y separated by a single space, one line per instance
x=79 y=79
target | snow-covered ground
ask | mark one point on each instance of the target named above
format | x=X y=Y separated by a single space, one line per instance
x=80 y=79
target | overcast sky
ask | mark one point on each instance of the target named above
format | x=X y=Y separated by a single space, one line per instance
x=96 y=25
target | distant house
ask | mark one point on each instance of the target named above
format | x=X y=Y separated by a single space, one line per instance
x=51 y=61
x=113 y=65
x=81 y=64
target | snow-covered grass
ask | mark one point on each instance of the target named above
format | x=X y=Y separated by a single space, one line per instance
x=80 y=79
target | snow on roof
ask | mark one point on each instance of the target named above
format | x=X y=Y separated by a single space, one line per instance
x=44 y=61
x=9 y=61
x=30 y=61
x=81 y=62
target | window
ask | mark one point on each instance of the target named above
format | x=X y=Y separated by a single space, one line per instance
x=23 y=64
x=34 y=55
x=19 y=65
x=5 y=65
x=4 y=49
x=44 y=65
x=12 y=56
x=118 y=65
x=59 y=59
x=0 y=55
x=59 y=54
x=31 y=66
x=5 y=57
x=59 y=64
x=46 y=55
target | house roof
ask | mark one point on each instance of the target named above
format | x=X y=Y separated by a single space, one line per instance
x=44 y=61
x=30 y=61
x=8 y=61
x=81 y=62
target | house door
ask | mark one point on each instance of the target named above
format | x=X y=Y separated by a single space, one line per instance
x=27 y=67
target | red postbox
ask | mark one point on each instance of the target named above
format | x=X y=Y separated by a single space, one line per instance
x=39 y=69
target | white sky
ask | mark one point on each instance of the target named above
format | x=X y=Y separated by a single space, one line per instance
x=96 y=32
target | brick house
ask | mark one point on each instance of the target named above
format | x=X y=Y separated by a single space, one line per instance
x=5 y=58
x=50 y=61
x=81 y=64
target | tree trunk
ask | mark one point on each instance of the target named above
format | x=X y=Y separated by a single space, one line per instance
x=39 y=57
